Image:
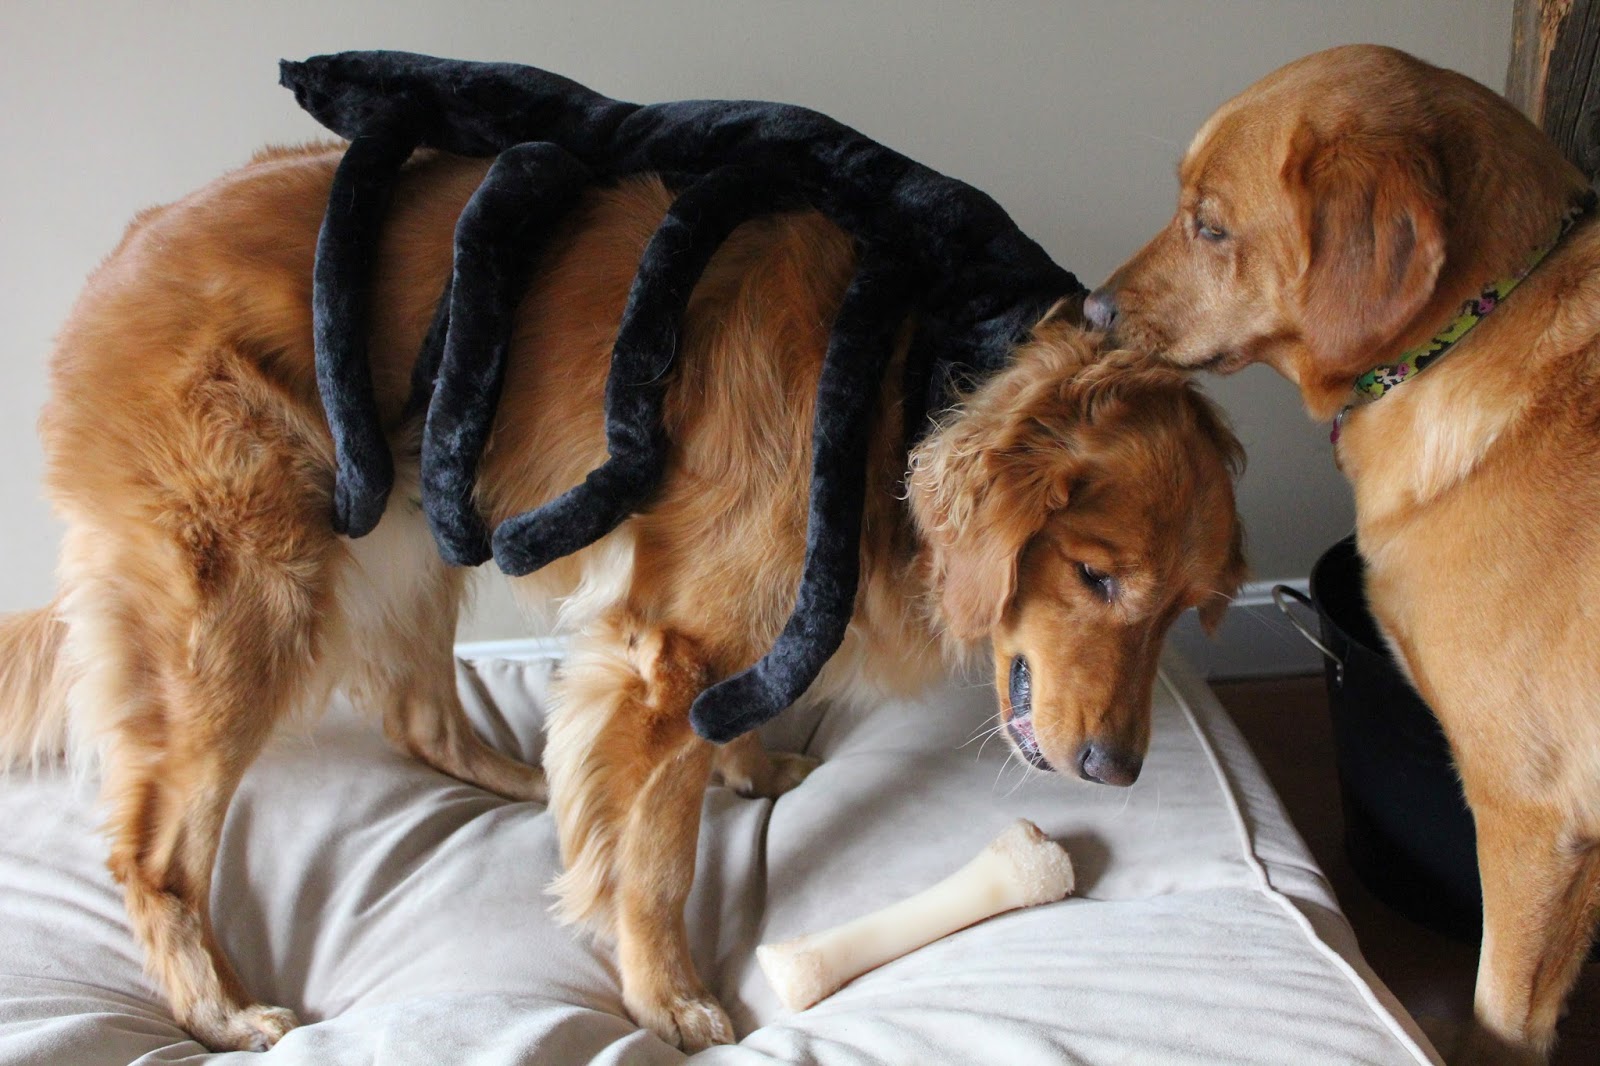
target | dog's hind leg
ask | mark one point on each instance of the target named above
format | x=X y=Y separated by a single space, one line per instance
x=182 y=681
x=1541 y=898
x=627 y=779
x=415 y=685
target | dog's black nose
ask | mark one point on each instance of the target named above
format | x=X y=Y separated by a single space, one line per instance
x=1100 y=308
x=1107 y=764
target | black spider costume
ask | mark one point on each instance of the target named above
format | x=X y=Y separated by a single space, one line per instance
x=928 y=247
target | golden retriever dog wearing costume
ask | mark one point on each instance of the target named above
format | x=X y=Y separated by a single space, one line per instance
x=1063 y=514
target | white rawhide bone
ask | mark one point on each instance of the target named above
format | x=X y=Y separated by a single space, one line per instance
x=1021 y=868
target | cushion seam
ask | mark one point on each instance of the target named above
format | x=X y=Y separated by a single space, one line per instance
x=1265 y=887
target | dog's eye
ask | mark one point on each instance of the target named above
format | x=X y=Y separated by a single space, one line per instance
x=1210 y=233
x=1098 y=582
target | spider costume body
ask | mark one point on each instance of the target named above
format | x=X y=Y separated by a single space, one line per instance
x=929 y=247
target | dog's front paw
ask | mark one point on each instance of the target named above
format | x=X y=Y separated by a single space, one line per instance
x=692 y=1021
x=253 y=1028
x=788 y=770
x=775 y=774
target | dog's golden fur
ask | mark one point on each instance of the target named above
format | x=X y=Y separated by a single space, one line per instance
x=204 y=596
x=1361 y=196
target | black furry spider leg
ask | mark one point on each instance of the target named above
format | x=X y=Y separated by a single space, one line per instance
x=987 y=281
x=700 y=219
x=498 y=239
x=859 y=351
x=426 y=368
x=340 y=297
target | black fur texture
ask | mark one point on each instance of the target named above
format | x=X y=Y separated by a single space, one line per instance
x=340 y=287
x=510 y=215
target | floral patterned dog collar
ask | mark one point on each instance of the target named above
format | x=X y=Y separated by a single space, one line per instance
x=1375 y=383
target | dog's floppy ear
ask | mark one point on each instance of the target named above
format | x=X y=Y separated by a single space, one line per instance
x=1372 y=224
x=1211 y=612
x=980 y=488
x=1213 y=607
x=1226 y=582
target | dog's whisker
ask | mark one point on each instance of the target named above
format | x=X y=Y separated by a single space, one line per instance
x=1000 y=773
x=998 y=730
x=1027 y=772
x=979 y=729
x=982 y=734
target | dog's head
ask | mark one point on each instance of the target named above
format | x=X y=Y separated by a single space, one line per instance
x=1069 y=510
x=1327 y=218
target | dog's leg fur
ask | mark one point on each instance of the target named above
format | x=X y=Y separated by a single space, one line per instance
x=1541 y=897
x=627 y=779
x=745 y=765
x=659 y=984
x=190 y=679
x=423 y=715
x=416 y=688
x=165 y=867
x=33 y=704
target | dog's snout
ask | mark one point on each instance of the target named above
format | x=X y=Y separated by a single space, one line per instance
x=1100 y=308
x=1108 y=764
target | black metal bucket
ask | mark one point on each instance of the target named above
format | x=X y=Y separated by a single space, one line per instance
x=1408 y=832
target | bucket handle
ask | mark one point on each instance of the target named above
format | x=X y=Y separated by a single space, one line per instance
x=1279 y=594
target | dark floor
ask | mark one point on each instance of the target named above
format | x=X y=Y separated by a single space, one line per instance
x=1286 y=722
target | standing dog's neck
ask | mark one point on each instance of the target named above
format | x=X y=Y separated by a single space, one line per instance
x=1380 y=380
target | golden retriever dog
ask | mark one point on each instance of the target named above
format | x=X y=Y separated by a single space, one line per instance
x=1065 y=514
x=1335 y=215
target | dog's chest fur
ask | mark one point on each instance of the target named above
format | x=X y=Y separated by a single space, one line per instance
x=1478 y=511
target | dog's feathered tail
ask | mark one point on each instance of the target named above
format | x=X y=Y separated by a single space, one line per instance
x=33 y=689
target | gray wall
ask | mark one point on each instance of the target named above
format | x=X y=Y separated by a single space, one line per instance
x=1072 y=114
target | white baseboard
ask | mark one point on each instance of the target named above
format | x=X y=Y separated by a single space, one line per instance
x=1254 y=640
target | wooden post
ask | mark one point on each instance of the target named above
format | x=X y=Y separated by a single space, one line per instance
x=1554 y=76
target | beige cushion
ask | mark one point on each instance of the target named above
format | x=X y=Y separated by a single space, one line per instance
x=402 y=913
